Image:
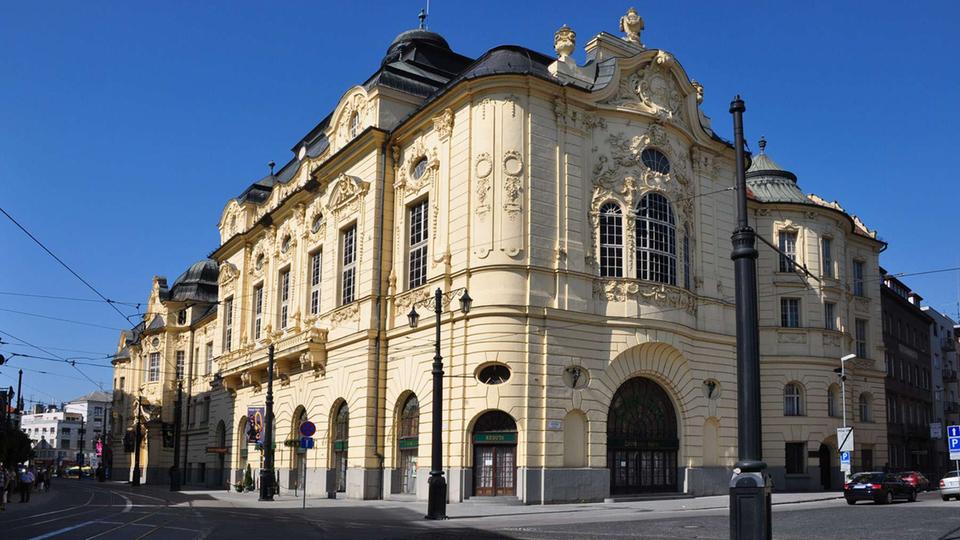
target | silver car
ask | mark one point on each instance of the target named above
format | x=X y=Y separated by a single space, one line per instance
x=950 y=486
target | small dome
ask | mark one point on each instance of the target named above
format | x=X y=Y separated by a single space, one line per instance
x=770 y=182
x=413 y=37
x=198 y=283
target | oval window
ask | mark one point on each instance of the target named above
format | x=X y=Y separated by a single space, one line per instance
x=259 y=262
x=285 y=244
x=155 y=342
x=419 y=168
x=655 y=160
x=494 y=374
x=317 y=221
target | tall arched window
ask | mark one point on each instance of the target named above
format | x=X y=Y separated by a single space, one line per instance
x=611 y=240
x=792 y=400
x=656 y=240
x=354 y=124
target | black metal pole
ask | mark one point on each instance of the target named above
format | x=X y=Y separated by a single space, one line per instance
x=138 y=433
x=175 y=469
x=437 y=497
x=266 y=472
x=80 y=455
x=750 y=503
x=20 y=393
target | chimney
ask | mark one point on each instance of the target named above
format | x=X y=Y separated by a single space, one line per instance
x=915 y=298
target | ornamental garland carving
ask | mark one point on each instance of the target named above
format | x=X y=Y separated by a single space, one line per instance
x=228 y=273
x=405 y=184
x=483 y=169
x=660 y=294
x=421 y=297
x=350 y=312
x=652 y=89
x=443 y=123
x=346 y=195
x=512 y=184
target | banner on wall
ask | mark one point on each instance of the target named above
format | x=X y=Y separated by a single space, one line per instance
x=255 y=417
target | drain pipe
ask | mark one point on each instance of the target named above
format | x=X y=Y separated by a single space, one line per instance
x=380 y=319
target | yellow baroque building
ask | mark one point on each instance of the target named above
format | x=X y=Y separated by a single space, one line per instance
x=587 y=209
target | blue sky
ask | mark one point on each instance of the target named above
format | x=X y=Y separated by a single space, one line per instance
x=127 y=126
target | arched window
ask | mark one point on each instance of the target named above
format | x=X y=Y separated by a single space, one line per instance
x=611 y=240
x=354 y=124
x=687 y=275
x=656 y=240
x=655 y=160
x=410 y=418
x=792 y=400
x=833 y=400
x=865 y=413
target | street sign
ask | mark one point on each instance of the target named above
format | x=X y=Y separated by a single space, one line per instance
x=307 y=429
x=845 y=439
x=953 y=441
x=845 y=461
x=306 y=442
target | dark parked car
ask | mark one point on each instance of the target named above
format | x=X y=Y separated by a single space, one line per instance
x=915 y=479
x=881 y=488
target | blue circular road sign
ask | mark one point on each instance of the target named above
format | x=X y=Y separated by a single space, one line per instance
x=307 y=429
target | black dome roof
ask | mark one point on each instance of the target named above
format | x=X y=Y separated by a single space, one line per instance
x=198 y=283
x=413 y=38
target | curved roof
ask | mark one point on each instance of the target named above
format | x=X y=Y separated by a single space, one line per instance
x=770 y=182
x=199 y=283
x=419 y=35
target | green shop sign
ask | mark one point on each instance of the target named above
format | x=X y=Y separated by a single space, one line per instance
x=339 y=446
x=407 y=444
x=495 y=437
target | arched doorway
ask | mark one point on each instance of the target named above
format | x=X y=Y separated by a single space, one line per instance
x=495 y=455
x=642 y=439
x=297 y=454
x=826 y=470
x=341 y=422
x=408 y=443
x=242 y=443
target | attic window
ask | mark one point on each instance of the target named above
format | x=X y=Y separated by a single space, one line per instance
x=655 y=160
x=354 y=124
x=494 y=374
x=317 y=221
x=285 y=244
x=182 y=317
x=258 y=264
x=419 y=168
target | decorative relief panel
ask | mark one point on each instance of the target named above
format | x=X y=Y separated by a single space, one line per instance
x=652 y=89
x=443 y=123
x=346 y=196
x=621 y=290
x=407 y=183
x=350 y=312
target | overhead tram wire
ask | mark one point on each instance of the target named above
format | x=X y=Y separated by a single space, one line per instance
x=111 y=303
x=135 y=305
x=41 y=349
x=51 y=318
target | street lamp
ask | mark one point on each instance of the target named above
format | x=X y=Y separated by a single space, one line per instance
x=266 y=472
x=843 y=385
x=175 y=468
x=437 y=494
x=138 y=434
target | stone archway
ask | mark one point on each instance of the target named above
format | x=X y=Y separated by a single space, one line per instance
x=642 y=438
x=495 y=454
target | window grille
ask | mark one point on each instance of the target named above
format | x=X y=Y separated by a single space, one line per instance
x=284 y=292
x=417 y=256
x=315 y=268
x=792 y=400
x=788 y=249
x=227 y=324
x=656 y=240
x=611 y=240
x=257 y=311
x=790 y=312
x=826 y=249
x=348 y=276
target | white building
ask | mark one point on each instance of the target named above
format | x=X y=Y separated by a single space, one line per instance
x=59 y=429
x=94 y=408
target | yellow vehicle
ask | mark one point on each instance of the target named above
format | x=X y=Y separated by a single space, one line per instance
x=74 y=471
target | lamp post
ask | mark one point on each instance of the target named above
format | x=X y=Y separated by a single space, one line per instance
x=266 y=472
x=750 y=502
x=80 y=455
x=437 y=494
x=138 y=433
x=175 y=468
x=843 y=385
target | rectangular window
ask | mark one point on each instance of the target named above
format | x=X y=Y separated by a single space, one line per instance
x=65 y=431
x=205 y=417
x=65 y=444
x=283 y=291
x=611 y=241
x=182 y=317
x=348 y=275
x=179 y=365
x=829 y=315
x=315 y=267
x=417 y=256
x=796 y=457
x=209 y=358
x=153 y=371
x=826 y=249
x=123 y=383
x=788 y=250
x=257 y=310
x=193 y=362
x=858 y=278
x=790 y=312
x=227 y=324
x=860 y=333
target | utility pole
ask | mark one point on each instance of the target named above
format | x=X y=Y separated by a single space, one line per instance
x=138 y=433
x=80 y=455
x=20 y=393
x=266 y=472
x=750 y=501
x=175 y=468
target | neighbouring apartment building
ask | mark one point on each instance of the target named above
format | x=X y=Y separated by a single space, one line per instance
x=587 y=209
x=909 y=383
x=944 y=387
x=55 y=435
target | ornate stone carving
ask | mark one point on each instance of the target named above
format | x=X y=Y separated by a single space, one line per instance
x=512 y=183
x=699 y=88
x=228 y=273
x=315 y=361
x=421 y=297
x=483 y=169
x=350 y=312
x=791 y=337
x=346 y=195
x=408 y=185
x=443 y=123
x=668 y=296
x=631 y=24
x=652 y=89
x=564 y=42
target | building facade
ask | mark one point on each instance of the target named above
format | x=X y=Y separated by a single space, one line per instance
x=908 y=383
x=587 y=210
x=55 y=434
x=94 y=408
x=943 y=360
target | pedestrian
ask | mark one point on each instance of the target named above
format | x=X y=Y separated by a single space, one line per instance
x=41 y=487
x=26 y=484
x=4 y=479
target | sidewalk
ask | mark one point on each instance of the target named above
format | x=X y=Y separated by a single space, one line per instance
x=469 y=508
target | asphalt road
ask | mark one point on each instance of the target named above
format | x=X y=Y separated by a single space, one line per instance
x=88 y=510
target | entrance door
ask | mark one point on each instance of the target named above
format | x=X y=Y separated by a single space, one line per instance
x=495 y=470
x=642 y=439
x=340 y=462
x=825 y=468
x=408 y=463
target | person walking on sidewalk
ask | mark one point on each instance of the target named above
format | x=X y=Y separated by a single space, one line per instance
x=26 y=484
x=4 y=480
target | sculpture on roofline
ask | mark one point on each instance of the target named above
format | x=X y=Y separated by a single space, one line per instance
x=631 y=24
x=564 y=42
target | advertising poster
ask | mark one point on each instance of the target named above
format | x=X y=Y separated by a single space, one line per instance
x=255 y=424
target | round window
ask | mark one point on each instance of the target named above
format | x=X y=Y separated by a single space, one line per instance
x=317 y=221
x=259 y=262
x=419 y=168
x=494 y=374
x=655 y=160
x=155 y=342
x=285 y=244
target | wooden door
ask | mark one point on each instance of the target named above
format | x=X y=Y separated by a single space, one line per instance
x=495 y=470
